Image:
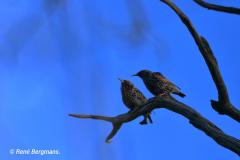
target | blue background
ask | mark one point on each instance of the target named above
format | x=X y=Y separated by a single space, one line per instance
x=64 y=56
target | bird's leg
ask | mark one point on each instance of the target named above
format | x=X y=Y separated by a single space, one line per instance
x=149 y=117
x=144 y=121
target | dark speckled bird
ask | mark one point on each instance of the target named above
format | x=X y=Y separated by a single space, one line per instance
x=132 y=98
x=157 y=84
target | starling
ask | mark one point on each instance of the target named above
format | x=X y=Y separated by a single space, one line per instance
x=157 y=84
x=134 y=98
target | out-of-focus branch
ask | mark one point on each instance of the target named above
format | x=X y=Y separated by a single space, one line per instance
x=195 y=118
x=219 y=8
x=223 y=105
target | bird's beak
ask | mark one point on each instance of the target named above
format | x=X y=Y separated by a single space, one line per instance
x=120 y=80
x=135 y=74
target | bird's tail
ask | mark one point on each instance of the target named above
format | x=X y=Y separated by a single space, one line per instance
x=180 y=94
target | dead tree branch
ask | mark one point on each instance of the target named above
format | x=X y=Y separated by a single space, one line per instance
x=219 y=8
x=195 y=118
x=223 y=105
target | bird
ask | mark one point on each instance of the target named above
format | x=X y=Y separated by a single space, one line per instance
x=133 y=98
x=157 y=84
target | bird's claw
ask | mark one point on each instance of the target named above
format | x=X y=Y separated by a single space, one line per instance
x=144 y=122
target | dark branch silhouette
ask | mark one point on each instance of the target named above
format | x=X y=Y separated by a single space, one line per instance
x=219 y=8
x=223 y=105
x=195 y=118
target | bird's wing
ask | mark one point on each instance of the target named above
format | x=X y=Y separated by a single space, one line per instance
x=139 y=95
x=165 y=80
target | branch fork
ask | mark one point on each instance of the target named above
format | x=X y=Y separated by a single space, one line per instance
x=195 y=118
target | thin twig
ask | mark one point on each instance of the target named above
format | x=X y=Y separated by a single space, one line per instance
x=219 y=8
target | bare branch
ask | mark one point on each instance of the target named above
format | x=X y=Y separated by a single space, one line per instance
x=219 y=8
x=104 y=118
x=116 y=127
x=223 y=105
x=195 y=118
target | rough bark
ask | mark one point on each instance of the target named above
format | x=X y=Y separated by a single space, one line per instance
x=195 y=118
